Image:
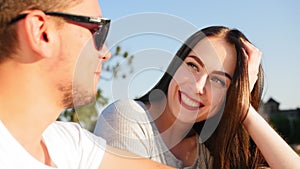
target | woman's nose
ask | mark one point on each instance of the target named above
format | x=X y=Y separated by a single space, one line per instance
x=201 y=83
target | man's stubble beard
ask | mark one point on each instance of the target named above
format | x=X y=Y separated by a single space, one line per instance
x=74 y=97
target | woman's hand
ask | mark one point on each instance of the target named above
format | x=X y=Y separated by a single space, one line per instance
x=253 y=55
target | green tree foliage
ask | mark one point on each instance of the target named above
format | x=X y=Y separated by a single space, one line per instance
x=287 y=126
x=296 y=134
x=281 y=123
x=87 y=115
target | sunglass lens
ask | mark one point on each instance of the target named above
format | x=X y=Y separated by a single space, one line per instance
x=100 y=36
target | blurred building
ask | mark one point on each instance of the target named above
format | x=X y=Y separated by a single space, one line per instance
x=286 y=122
x=271 y=107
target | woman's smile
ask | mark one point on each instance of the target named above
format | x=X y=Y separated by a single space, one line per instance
x=188 y=102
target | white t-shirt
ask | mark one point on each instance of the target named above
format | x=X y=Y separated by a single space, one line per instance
x=69 y=147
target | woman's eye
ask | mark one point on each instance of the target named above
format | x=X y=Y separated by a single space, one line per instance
x=193 y=66
x=218 y=81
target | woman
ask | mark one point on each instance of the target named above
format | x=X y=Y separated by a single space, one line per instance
x=203 y=110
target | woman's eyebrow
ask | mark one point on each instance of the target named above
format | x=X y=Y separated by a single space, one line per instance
x=223 y=74
x=197 y=59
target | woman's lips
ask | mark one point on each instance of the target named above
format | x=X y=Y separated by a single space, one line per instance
x=188 y=102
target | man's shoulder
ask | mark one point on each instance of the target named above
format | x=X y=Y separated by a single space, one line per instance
x=72 y=134
x=64 y=126
x=63 y=131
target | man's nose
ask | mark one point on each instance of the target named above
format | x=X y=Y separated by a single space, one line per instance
x=104 y=53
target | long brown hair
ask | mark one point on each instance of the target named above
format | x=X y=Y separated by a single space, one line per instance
x=230 y=145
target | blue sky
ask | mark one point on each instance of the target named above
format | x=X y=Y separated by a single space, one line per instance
x=273 y=26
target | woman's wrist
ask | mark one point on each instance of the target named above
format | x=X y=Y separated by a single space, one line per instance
x=249 y=117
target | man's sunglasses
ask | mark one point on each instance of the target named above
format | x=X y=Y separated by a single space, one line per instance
x=99 y=33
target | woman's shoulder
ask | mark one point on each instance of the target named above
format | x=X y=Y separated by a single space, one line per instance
x=126 y=108
x=125 y=104
x=124 y=122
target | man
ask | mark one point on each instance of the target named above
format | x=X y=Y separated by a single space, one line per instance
x=40 y=45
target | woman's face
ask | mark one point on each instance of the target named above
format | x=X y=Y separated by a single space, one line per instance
x=199 y=86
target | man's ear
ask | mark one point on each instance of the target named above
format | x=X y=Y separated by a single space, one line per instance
x=41 y=34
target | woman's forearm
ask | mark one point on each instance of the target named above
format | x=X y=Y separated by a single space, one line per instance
x=276 y=151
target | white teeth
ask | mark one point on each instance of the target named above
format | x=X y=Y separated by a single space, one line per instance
x=189 y=102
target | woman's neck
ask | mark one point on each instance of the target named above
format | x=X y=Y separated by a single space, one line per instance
x=186 y=150
x=171 y=129
x=176 y=135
